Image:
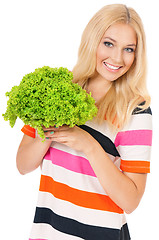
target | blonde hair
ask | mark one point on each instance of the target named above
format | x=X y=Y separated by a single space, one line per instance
x=127 y=92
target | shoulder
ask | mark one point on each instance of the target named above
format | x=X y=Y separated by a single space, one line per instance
x=140 y=119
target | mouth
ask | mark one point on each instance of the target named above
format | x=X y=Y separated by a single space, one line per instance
x=111 y=67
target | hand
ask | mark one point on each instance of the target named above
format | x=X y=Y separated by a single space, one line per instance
x=73 y=137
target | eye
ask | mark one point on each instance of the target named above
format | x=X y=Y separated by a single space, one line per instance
x=129 y=50
x=108 y=44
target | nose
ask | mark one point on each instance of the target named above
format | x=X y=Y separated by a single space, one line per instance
x=117 y=56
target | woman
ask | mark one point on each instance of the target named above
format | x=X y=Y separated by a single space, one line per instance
x=92 y=174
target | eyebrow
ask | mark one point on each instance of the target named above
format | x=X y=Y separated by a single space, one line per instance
x=130 y=45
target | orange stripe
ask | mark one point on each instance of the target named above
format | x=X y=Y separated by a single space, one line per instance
x=78 y=197
x=135 y=166
x=28 y=131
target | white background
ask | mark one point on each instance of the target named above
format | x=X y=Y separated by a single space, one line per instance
x=35 y=33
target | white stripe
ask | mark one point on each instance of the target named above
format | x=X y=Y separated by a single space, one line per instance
x=136 y=152
x=84 y=215
x=36 y=133
x=45 y=231
x=72 y=179
x=139 y=122
x=67 y=149
x=124 y=221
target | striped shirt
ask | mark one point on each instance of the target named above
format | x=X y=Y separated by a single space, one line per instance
x=72 y=203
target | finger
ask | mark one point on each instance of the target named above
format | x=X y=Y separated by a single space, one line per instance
x=49 y=139
x=65 y=128
x=49 y=133
x=55 y=134
x=57 y=139
x=49 y=128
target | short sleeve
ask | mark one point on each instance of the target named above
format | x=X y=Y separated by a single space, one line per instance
x=134 y=143
x=31 y=132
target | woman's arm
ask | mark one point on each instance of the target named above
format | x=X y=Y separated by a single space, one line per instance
x=30 y=153
x=125 y=189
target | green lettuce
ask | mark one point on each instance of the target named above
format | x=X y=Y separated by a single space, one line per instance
x=48 y=97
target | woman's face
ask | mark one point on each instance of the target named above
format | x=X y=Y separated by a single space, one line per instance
x=116 y=51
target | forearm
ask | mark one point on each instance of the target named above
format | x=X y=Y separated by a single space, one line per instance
x=30 y=155
x=120 y=188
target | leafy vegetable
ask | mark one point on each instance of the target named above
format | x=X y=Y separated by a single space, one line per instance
x=47 y=97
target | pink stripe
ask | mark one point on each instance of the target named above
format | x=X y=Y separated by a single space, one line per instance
x=134 y=137
x=37 y=239
x=69 y=161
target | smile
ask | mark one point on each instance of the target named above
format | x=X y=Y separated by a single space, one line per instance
x=111 y=67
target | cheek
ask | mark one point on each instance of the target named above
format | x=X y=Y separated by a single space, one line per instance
x=101 y=53
x=129 y=61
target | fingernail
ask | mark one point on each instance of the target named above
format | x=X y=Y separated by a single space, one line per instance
x=51 y=132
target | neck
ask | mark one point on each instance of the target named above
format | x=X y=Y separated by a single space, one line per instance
x=98 y=87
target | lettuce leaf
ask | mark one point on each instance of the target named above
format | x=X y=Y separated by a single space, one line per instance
x=47 y=97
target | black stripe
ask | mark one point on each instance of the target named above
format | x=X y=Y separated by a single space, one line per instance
x=124 y=234
x=137 y=110
x=104 y=141
x=75 y=228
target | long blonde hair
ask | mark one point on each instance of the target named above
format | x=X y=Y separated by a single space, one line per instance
x=130 y=89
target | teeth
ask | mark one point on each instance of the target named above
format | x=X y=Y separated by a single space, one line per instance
x=111 y=67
